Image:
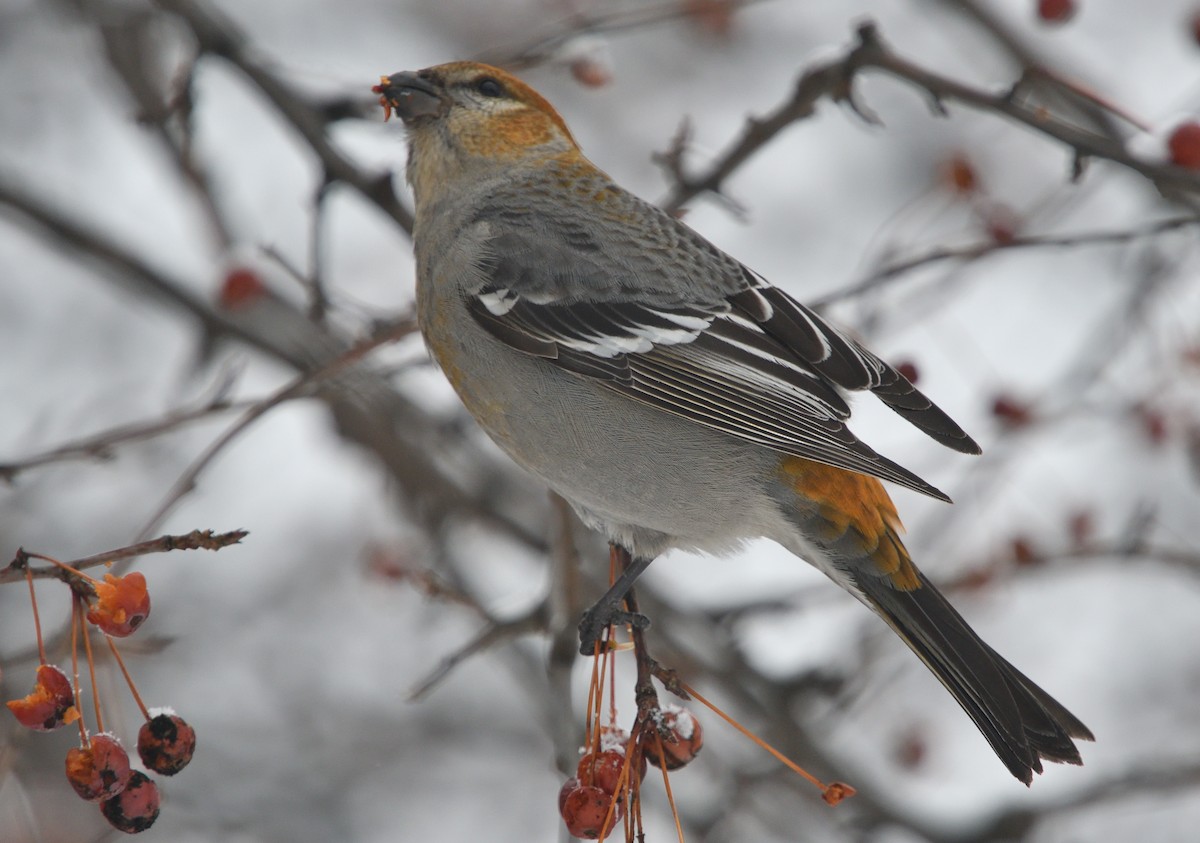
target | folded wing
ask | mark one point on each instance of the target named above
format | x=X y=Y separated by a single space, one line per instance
x=754 y=364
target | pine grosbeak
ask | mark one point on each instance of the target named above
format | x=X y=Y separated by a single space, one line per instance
x=670 y=394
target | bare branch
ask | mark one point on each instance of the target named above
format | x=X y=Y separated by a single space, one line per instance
x=835 y=81
x=195 y=540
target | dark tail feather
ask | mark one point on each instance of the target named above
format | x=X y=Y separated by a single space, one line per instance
x=1023 y=724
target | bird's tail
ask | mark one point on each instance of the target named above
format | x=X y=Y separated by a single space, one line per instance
x=1022 y=722
x=851 y=524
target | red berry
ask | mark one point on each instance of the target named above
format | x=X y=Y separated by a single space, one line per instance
x=977 y=578
x=684 y=738
x=166 y=743
x=1001 y=230
x=565 y=791
x=713 y=16
x=1184 y=145
x=835 y=792
x=592 y=72
x=585 y=811
x=242 y=287
x=961 y=175
x=1011 y=411
x=1000 y=222
x=135 y=808
x=602 y=769
x=1081 y=526
x=909 y=370
x=1056 y=11
x=1154 y=424
x=99 y=770
x=50 y=704
x=122 y=604
x=1194 y=27
x=912 y=748
x=1023 y=552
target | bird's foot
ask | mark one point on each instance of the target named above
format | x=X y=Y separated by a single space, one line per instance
x=599 y=618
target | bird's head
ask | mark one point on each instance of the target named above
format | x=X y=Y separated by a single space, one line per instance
x=466 y=120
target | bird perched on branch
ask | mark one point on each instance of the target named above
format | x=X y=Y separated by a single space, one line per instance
x=671 y=395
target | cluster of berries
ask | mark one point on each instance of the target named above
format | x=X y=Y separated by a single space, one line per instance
x=99 y=769
x=609 y=775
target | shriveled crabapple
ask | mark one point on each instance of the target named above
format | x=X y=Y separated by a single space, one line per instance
x=835 y=792
x=909 y=370
x=241 y=288
x=1011 y=411
x=136 y=807
x=602 y=769
x=1056 y=11
x=1183 y=145
x=99 y=770
x=166 y=743
x=50 y=704
x=585 y=810
x=683 y=739
x=565 y=791
x=614 y=739
x=122 y=604
x=960 y=175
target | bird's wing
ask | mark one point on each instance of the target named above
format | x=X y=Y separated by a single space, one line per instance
x=844 y=362
x=754 y=364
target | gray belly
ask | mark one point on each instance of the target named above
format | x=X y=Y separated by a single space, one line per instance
x=646 y=478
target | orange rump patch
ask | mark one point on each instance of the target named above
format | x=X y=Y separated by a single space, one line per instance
x=856 y=503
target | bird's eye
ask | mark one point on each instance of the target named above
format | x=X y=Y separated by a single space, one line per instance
x=489 y=87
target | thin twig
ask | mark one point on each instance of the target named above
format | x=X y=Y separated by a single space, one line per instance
x=219 y=36
x=78 y=238
x=979 y=250
x=496 y=632
x=195 y=540
x=296 y=388
x=100 y=446
x=546 y=48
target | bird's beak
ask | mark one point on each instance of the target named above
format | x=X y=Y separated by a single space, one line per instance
x=409 y=96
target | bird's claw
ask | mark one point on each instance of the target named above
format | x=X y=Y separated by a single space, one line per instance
x=598 y=618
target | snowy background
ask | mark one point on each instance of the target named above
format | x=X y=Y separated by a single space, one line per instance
x=1072 y=547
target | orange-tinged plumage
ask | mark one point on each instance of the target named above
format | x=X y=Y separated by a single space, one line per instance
x=856 y=503
x=511 y=130
x=465 y=141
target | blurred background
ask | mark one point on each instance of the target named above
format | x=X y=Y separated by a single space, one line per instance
x=196 y=218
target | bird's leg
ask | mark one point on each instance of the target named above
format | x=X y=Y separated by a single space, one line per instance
x=649 y=716
x=607 y=610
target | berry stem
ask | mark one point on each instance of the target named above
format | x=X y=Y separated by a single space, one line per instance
x=595 y=700
x=75 y=624
x=91 y=660
x=662 y=765
x=37 y=621
x=825 y=789
x=615 y=558
x=64 y=566
x=112 y=645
